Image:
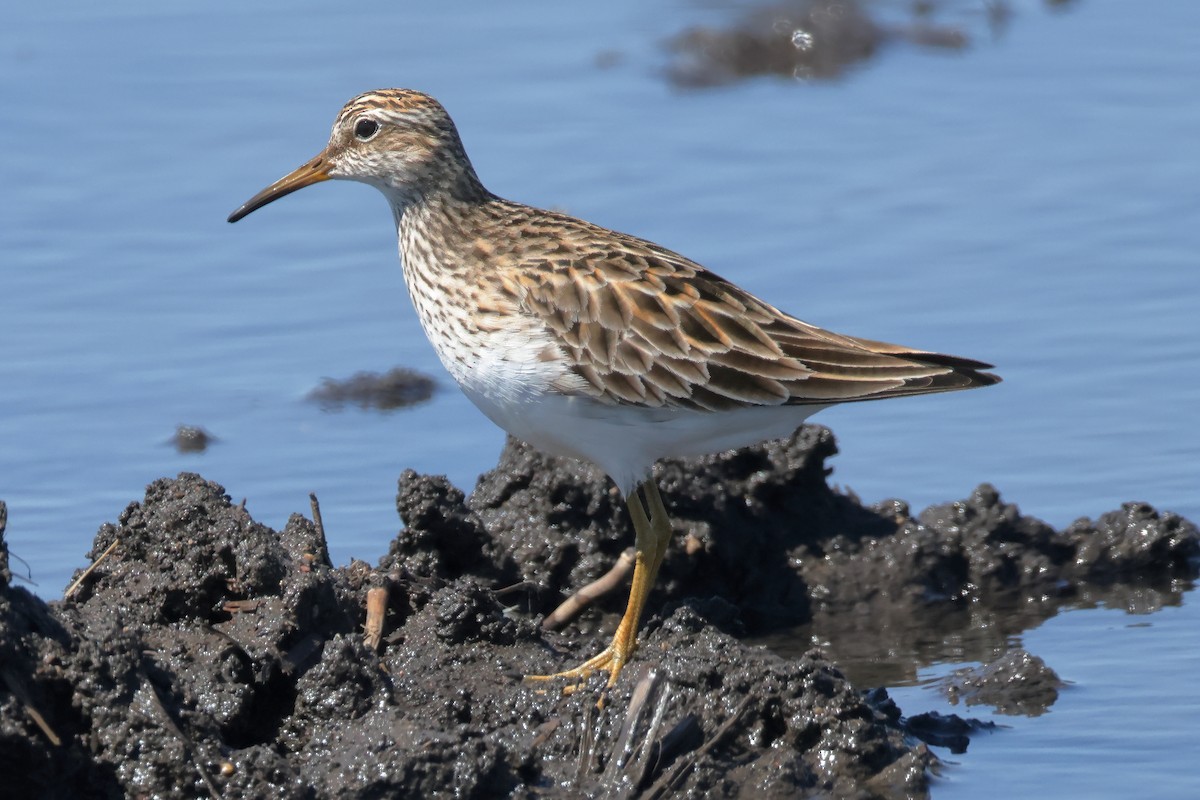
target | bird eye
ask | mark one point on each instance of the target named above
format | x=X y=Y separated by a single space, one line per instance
x=365 y=129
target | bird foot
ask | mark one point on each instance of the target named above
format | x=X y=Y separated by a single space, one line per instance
x=611 y=660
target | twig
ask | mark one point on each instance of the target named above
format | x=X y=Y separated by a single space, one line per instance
x=670 y=781
x=321 y=545
x=587 y=743
x=316 y=512
x=241 y=606
x=5 y=573
x=377 y=603
x=543 y=732
x=643 y=691
x=187 y=740
x=576 y=603
x=75 y=584
x=241 y=649
x=18 y=691
x=651 y=750
x=687 y=735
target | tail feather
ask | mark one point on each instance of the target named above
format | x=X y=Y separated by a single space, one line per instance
x=855 y=369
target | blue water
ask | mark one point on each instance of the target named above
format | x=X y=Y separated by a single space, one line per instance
x=1123 y=727
x=1029 y=201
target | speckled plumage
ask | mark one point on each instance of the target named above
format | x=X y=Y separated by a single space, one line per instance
x=588 y=342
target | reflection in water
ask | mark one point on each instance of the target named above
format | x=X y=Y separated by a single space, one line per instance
x=888 y=644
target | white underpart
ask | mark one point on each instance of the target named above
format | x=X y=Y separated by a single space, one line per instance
x=625 y=441
x=507 y=382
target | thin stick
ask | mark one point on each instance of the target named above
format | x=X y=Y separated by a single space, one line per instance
x=544 y=731
x=377 y=603
x=643 y=691
x=576 y=603
x=670 y=781
x=321 y=545
x=75 y=584
x=18 y=691
x=173 y=726
x=316 y=511
x=5 y=572
x=513 y=588
x=646 y=759
x=587 y=742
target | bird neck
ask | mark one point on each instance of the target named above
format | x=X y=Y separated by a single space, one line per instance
x=436 y=226
x=448 y=190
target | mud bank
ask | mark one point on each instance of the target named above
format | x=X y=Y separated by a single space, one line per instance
x=209 y=655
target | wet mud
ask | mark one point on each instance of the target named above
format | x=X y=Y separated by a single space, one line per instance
x=1016 y=683
x=399 y=387
x=208 y=655
x=191 y=439
x=818 y=40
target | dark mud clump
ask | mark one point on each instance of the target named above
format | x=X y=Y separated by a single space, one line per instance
x=396 y=388
x=762 y=529
x=946 y=730
x=211 y=655
x=1017 y=683
x=208 y=655
x=191 y=439
x=803 y=39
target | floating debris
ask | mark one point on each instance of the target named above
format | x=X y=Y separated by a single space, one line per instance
x=396 y=388
x=814 y=39
x=191 y=439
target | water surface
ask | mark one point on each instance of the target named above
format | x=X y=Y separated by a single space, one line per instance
x=1030 y=200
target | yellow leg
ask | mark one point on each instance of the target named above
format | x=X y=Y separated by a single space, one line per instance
x=652 y=537
x=660 y=522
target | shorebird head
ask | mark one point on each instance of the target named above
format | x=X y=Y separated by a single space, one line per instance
x=398 y=140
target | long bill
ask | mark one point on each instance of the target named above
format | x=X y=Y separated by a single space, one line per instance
x=314 y=171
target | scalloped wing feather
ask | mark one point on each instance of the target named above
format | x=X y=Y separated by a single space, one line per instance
x=641 y=324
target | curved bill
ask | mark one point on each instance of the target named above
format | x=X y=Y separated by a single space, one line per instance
x=314 y=171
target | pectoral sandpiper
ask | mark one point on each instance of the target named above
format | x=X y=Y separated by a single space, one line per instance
x=590 y=343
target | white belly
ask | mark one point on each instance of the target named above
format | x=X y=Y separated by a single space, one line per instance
x=625 y=441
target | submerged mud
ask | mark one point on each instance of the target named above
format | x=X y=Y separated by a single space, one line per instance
x=818 y=40
x=399 y=387
x=208 y=655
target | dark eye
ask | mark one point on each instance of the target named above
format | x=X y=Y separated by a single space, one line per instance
x=364 y=129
